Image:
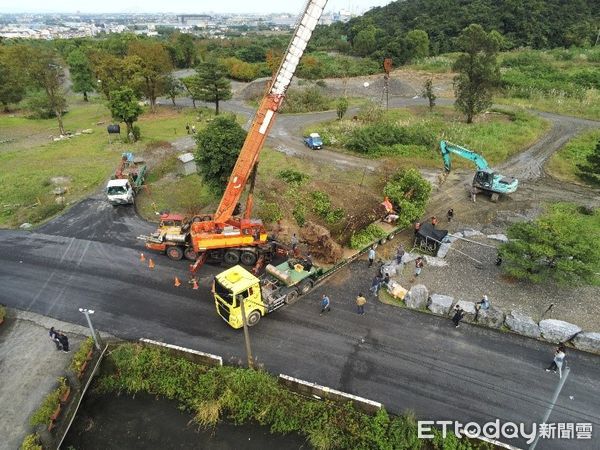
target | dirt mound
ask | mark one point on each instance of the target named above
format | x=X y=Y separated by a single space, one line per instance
x=319 y=241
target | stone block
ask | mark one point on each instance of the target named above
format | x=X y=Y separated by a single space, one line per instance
x=498 y=237
x=588 y=342
x=521 y=323
x=492 y=317
x=440 y=304
x=396 y=290
x=557 y=330
x=416 y=298
x=472 y=233
x=443 y=250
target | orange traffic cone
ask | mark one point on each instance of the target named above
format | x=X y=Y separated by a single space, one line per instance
x=151 y=263
x=195 y=282
x=177 y=282
x=142 y=257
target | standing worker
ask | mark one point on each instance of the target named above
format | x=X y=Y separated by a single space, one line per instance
x=325 y=305
x=557 y=362
x=450 y=214
x=360 y=304
x=474 y=194
x=399 y=254
x=294 y=242
x=418 y=266
x=458 y=316
x=417 y=227
x=434 y=221
x=371 y=256
x=375 y=285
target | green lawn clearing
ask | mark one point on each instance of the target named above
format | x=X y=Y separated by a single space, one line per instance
x=563 y=164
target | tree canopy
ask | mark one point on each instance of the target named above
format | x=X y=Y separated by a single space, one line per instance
x=561 y=246
x=212 y=85
x=219 y=145
x=81 y=73
x=124 y=107
x=409 y=192
x=590 y=170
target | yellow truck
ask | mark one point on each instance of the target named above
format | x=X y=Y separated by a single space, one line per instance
x=280 y=285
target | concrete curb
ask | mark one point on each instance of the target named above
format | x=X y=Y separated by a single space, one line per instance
x=205 y=358
x=318 y=391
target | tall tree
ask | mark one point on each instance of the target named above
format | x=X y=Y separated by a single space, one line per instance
x=124 y=107
x=12 y=83
x=113 y=72
x=191 y=85
x=478 y=71
x=173 y=87
x=187 y=49
x=154 y=65
x=417 y=43
x=219 y=145
x=213 y=86
x=47 y=73
x=81 y=73
x=561 y=245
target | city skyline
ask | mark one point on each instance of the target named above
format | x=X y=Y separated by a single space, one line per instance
x=180 y=6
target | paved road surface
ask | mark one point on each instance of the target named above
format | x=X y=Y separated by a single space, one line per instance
x=406 y=360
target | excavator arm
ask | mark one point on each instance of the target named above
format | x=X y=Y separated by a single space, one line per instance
x=447 y=148
x=265 y=115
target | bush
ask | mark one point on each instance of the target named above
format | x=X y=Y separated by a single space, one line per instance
x=299 y=214
x=80 y=355
x=42 y=416
x=366 y=237
x=321 y=205
x=308 y=99
x=270 y=212
x=409 y=192
x=292 y=176
x=374 y=138
x=136 y=133
x=31 y=442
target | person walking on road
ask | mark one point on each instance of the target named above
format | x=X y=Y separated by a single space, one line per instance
x=375 y=285
x=458 y=316
x=360 y=304
x=371 y=256
x=325 y=305
x=54 y=336
x=557 y=362
x=64 y=341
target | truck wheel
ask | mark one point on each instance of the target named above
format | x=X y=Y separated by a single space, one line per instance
x=495 y=196
x=231 y=257
x=291 y=297
x=174 y=253
x=248 y=258
x=190 y=254
x=391 y=236
x=305 y=287
x=253 y=318
x=382 y=241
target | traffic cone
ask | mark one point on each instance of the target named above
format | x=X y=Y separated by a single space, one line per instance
x=195 y=282
x=177 y=282
x=151 y=263
x=142 y=257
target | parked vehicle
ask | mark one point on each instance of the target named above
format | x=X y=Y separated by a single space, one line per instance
x=313 y=141
x=127 y=180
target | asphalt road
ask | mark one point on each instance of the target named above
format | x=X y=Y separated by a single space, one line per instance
x=405 y=359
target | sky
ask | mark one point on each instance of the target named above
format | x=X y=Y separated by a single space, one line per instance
x=180 y=6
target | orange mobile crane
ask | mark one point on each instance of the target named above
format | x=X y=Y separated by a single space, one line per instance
x=226 y=235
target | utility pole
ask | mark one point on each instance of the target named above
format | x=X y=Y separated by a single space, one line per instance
x=552 y=403
x=86 y=313
x=246 y=336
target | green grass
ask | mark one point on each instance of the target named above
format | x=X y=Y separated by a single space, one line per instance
x=497 y=135
x=563 y=164
x=587 y=107
x=31 y=158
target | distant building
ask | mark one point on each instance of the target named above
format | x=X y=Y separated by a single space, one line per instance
x=199 y=20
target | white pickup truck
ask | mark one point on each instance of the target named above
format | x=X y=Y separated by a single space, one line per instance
x=128 y=179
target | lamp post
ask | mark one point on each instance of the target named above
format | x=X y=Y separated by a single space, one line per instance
x=86 y=313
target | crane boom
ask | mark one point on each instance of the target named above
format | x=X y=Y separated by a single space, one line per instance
x=265 y=115
x=447 y=148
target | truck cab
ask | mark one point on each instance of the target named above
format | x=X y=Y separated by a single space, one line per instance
x=119 y=192
x=314 y=141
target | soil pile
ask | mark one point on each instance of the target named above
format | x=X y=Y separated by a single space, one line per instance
x=320 y=243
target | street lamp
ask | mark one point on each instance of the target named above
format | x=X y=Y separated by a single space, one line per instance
x=86 y=313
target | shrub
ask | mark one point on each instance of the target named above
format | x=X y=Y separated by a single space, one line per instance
x=42 y=416
x=80 y=355
x=373 y=139
x=409 y=192
x=136 y=133
x=366 y=237
x=321 y=205
x=31 y=442
x=270 y=212
x=308 y=99
x=299 y=214
x=292 y=176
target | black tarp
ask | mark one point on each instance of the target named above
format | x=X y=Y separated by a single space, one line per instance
x=428 y=234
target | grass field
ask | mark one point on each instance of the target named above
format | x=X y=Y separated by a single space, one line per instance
x=497 y=135
x=30 y=160
x=563 y=164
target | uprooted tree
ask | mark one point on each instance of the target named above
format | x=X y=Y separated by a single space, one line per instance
x=560 y=246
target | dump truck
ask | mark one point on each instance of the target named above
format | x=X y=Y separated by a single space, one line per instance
x=127 y=180
x=313 y=141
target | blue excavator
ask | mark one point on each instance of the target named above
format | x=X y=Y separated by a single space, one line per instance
x=485 y=178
